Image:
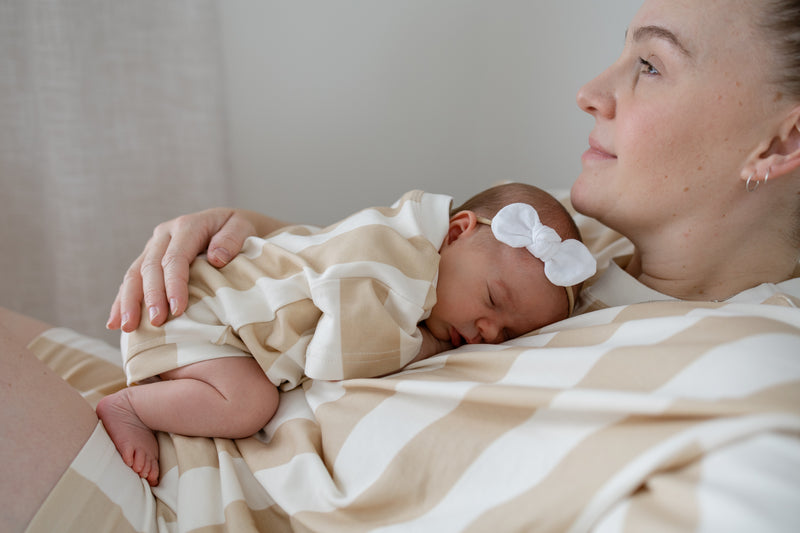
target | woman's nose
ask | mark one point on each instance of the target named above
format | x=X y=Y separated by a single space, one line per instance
x=596 y=97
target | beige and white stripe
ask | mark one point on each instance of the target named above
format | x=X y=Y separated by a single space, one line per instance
x=669 y=416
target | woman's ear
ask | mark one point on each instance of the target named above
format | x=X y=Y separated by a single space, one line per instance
x=461 y=224
x=782 y=156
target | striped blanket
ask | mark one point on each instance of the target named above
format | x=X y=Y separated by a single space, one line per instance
x=666 y=416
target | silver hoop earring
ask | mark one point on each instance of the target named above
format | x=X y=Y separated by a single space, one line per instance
x=747 y=186
x=767 y=176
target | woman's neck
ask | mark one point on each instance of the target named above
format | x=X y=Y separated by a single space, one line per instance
x=711 y=271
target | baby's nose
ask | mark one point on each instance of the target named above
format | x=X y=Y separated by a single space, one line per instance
x=489 y=331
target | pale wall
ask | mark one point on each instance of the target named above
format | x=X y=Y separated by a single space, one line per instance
x=337 y=104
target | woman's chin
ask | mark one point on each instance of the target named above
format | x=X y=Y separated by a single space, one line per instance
x=582 y=199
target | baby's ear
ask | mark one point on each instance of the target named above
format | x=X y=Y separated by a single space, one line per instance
x=461 y=224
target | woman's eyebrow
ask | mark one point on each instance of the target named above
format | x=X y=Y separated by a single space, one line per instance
x=644 y=33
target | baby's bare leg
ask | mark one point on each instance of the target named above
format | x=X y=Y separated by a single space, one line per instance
x=229 y=397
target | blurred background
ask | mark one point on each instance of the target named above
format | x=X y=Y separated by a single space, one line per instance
x=115 y=116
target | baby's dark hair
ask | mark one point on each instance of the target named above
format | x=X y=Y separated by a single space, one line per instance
x=551 y=212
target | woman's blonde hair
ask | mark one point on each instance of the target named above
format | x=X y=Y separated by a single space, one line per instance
x=780 y=21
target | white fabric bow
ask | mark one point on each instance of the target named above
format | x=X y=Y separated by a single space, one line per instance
x=565 y=263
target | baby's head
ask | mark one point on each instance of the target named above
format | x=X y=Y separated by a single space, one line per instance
x=489 y=291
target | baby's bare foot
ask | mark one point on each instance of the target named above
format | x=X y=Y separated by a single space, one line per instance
x=135 y=442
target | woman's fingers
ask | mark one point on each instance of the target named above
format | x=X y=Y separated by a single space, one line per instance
x=159 y=276
x=143 y=282
x=227 y=230
x=123 y=314
x=190 y=236
x=114 y=317
x=149 y=284
x=228 y=241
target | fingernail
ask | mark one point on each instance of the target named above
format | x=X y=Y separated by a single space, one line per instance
x=153 y=311
x=173 y=305
x=222 y=255
x=125 y=318
x=108 y=323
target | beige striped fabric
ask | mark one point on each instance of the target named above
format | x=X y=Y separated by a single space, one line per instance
x=336 y=303
x=660 y=416
x=665 y=416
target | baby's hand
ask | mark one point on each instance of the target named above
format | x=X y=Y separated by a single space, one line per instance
x=430 y=345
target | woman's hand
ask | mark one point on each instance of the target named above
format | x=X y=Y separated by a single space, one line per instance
x=160 y=275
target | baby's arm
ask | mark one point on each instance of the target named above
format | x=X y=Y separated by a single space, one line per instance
x=430 y=345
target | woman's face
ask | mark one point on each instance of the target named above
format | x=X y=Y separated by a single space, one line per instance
x=676 y=116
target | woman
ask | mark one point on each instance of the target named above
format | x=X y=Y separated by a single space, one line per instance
x=694 y=157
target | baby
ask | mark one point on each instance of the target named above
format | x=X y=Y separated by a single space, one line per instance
x=362 y=298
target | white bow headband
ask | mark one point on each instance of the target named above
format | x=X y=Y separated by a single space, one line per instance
x=566 y=263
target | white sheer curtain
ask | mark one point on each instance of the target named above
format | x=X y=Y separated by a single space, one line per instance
x=111 y=120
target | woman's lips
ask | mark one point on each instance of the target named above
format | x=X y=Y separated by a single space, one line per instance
x=597 y=152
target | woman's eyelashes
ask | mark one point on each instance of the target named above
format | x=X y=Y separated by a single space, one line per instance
x=647 y=68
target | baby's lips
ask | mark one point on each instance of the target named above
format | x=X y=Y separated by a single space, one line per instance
x=455 y=338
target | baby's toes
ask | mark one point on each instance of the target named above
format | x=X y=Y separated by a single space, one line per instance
x=141 y=463
x=152 y=476
x=128 y=456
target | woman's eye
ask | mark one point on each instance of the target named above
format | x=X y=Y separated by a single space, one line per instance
x=647 y=68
